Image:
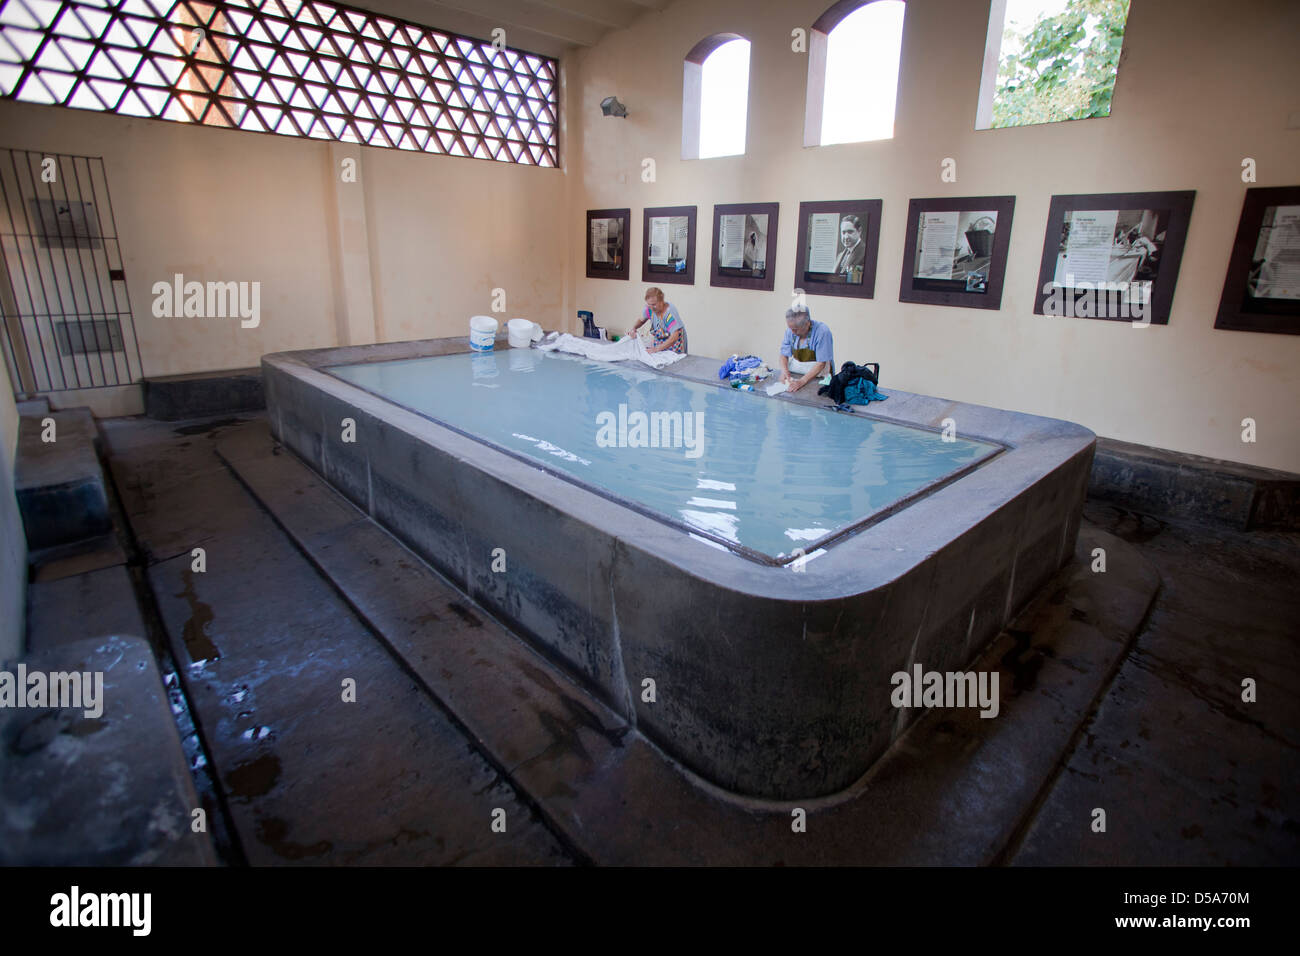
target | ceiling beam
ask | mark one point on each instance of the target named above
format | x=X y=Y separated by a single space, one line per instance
x=613 y=14
x=510 y=14
x=435 y=15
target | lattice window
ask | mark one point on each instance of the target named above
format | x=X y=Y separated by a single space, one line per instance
x=310 y=69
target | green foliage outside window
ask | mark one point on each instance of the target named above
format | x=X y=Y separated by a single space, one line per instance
x=1059 y=74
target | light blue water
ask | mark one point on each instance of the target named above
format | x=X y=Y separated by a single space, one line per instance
x=767 y=474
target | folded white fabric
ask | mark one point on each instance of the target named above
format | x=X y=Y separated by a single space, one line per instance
x=621 y=351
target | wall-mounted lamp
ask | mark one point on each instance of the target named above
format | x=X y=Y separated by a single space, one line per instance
x=610 y=106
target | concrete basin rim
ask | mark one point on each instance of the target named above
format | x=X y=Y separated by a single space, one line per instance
x=851 y=567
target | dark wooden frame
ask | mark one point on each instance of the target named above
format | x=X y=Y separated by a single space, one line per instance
x=992 y=299
x=623 y=271
x=870 y=209
x=1179 y=204
x=662 y=274
x=767 y=282
x=1281 y=316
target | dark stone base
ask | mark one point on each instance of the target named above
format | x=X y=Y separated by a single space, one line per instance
x=1172 y=484
x=172 y=398
x=777 y=676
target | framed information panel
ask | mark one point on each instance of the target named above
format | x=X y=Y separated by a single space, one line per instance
x=955 y=252
x=1261 y=292
x=744 y=246
x=668 y=245
x=1113 y=256
x=837 y=247
x=607 y=237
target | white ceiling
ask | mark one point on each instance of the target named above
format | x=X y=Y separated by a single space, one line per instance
x=549 y=27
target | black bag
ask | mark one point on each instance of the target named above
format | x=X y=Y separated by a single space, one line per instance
x=849 y=372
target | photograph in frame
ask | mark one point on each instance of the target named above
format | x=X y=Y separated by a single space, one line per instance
x=744 y=246
x=668 y=245
x=607 y=243
x=1113 y=257
x=956 y=251
x=1261 y=290
x=837 y=247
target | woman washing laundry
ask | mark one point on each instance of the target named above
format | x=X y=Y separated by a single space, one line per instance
x=807 y=351
x=666 y=326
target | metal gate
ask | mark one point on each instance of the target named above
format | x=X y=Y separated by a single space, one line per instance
x=67 y=316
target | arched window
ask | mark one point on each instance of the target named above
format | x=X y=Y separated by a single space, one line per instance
x=715 y=97
x=853 y=57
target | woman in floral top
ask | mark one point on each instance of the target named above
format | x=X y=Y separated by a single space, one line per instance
x=666 y=325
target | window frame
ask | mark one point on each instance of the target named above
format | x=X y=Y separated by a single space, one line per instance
x=988 y=89
x=693 y=92
x=818 y=41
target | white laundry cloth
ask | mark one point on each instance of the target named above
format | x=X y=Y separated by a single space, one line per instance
x=620 y=351
x=800 y=367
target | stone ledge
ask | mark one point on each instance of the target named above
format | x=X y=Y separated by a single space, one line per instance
x=107 y=790
x=1171 y=484
x=172 y=398
x=60 y=484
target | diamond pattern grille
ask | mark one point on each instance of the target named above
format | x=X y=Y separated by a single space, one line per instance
x=312 y=69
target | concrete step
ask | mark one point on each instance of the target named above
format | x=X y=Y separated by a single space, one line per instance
x=59 y=484
x=105 y=789
x=77 y=557
x=83 y=606
x=265 y=649
x=172 y=398
x=955 y=789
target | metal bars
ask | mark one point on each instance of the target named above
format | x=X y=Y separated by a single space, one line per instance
x=63 y=296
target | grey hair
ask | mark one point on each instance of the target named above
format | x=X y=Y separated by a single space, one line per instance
x=797 y=311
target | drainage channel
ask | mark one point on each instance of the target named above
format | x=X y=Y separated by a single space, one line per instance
x=225 y=838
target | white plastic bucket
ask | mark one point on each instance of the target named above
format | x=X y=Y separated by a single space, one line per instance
x=482 y=333
x=522 y=333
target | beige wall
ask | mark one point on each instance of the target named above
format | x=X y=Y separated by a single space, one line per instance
x=211 y=204
x=1201 y=87
x=13 y=540
x=438 y=234
x=446 y=232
